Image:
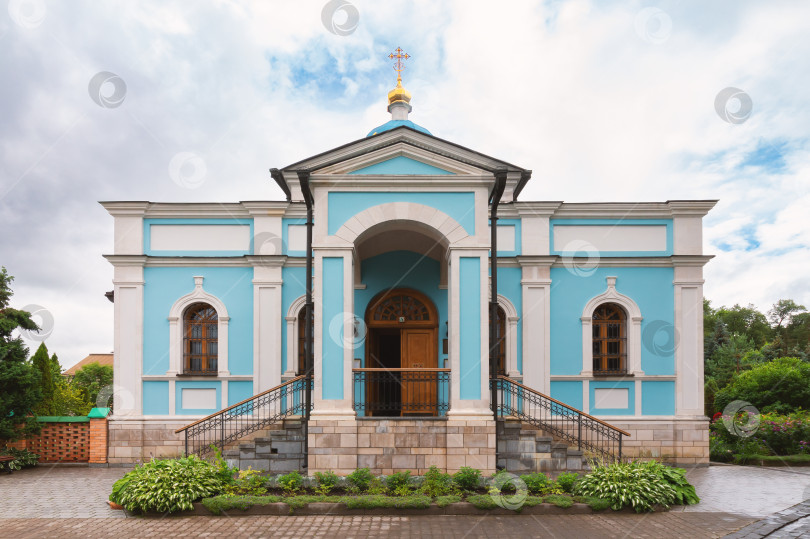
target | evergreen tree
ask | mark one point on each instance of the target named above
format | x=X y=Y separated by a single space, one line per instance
x=42 y=363
x=19 y=381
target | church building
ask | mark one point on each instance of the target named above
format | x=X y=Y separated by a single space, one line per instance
x=448 y=317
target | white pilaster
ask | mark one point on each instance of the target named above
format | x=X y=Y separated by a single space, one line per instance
x=689 y=346
x=536 y=284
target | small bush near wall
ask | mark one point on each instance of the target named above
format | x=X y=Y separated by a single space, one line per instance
x=22 y=458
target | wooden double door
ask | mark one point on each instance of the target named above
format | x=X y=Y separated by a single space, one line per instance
x=402 y=343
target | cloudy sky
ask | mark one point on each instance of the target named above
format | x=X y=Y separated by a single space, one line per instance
x=618 y=102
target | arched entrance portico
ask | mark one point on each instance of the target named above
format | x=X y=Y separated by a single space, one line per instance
x=402 y=340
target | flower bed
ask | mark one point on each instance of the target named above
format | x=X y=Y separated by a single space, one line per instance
x=173 y=485
x=749 y=437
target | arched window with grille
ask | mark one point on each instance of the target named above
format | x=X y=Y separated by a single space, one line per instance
x=609 y=340
x=200 y=343
x=500 y=345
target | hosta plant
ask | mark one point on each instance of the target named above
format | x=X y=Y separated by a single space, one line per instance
x=167 y=485
x=22 y=458
x=627 y=484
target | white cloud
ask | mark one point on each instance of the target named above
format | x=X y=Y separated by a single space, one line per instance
x=569 y=89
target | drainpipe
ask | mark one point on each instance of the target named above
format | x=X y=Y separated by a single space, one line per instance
x=494 y=337
x=303 y=178
x=278 y=177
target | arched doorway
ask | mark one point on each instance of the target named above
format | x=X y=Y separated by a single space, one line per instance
x=401 y=340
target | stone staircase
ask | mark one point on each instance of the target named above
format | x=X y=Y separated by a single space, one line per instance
x=522 y=448
x=277 y=449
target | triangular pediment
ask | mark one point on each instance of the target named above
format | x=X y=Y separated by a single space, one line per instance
x=401 y=165
x=402 y=152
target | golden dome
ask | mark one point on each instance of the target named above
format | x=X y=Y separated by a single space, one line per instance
x=399 y=94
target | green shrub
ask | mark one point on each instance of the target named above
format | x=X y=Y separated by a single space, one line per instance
x=482 y=501
x=360 y=480
x=247 y=483
x=226 y=473
x=676 y=477
x=291 y=483
x=597 y=504
x=631 y=484
x=399 y=483
x=567 y=480
x=779 y=384
x=218 y=504
x=560 y=500
x=467 y=478
x=22 y=458
x=444 y=501
x=327 y=481
x=435 y=483
x=537 y=483
x=167 y=485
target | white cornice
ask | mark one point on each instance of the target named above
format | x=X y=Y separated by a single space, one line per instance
x=345 y=182
x=125 y=208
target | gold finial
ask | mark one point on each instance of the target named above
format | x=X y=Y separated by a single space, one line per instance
x=398 y=67
x=399 y=94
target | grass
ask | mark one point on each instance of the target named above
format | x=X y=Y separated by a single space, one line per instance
x=219 y=504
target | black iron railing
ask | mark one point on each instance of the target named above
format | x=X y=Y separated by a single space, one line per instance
x=257 y=412
x=558 y=419
x=401 y=392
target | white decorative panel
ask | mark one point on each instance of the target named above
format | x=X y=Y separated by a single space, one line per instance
x=200 y=237
x=610 y=398
x=199 y=399
x=297 y=237
x=610 y=238
x=506 y=237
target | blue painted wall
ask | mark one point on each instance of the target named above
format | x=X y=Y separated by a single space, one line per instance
x=147 y=236
x=156 y=398
x=164 y=286
x=658 y=398
x=295 y=286
x=470 y=327
x=402 y=269
x=401 y=165
x=343 y=206
x=332 y=345
x=569 y=392
x=239 y=390
x=650 y=288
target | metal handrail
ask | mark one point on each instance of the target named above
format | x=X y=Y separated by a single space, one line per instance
x=559 y=419
x=249 y=415
x=418 y=391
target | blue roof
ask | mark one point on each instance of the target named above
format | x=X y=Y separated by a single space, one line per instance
x=393 y=124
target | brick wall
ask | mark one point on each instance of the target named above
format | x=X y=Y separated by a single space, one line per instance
x=60 y=442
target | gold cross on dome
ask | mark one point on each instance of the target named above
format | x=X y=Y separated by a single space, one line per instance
x=400 y=55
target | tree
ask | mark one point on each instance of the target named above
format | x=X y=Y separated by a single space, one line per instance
x=42 y=363
x=782 y=312
x=91 y=378
x=779 y=385
x=746 y=321
x=19 y=381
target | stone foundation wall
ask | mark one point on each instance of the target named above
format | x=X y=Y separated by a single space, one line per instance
x=132 y=441
x=684 y=442
x=392 y=445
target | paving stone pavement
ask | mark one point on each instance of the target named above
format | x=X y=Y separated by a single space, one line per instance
x=748 y=490
x=71 y=502
x=656 y=525
x=48 y=491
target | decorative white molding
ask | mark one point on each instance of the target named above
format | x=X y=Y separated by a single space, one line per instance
x=292 y=336
x=198 y=295
x=611 y=295
x=512 y=320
